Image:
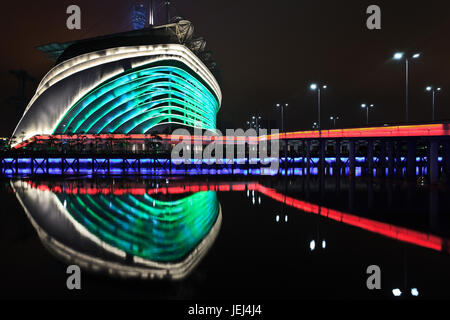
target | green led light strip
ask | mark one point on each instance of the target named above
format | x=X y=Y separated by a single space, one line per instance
x=139 y=100
x=142 y=226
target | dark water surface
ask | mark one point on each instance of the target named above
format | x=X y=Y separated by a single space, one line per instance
x=255 y=238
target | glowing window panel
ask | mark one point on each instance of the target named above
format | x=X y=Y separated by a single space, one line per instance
x=141 y=99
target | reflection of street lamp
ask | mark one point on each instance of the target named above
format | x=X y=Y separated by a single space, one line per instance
x=256 y=198
x=278 y=218
x=315 y=242
x=367 y=106
x=433 y=91
x=397 y=292
x=400 y=56
x=317 y=87
x=312 y=245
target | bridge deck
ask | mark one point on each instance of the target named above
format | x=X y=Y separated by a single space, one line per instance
x=424 y=130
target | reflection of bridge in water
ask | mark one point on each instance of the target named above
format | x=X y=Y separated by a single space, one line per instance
x=399 y=233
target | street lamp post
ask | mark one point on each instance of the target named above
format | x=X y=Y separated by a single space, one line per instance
x=317 y=87
x=433 y=92
x=258 y=124
x=333 y=118
x=400 y=56
x=281 y=106
x=255 y=123
x=367 y=106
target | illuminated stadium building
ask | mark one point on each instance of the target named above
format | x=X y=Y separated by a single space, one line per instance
x=140 y=82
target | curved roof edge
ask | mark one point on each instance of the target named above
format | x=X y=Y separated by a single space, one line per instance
x=144 y=54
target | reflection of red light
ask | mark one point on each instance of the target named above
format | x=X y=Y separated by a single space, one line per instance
x=224 y=188
x=385 y=229
x=238 y=187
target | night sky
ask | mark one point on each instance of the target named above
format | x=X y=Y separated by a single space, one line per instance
x=268 y=52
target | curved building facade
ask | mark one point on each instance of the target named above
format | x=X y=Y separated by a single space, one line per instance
x=123 y=90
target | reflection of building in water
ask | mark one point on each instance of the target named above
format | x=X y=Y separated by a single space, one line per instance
x=125 y=235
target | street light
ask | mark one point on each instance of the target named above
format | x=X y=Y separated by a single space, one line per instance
x=255 y=123
x=433 y=91
x=317 y=87
x=281 y=106
x=367 y=107
x=333 y=118
x=400 y=56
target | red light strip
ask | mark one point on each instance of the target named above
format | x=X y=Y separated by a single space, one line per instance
x=394 y=232
x=427 y=130
x=374 y=132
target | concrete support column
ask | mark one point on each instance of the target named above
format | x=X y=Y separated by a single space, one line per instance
x=390 y=154
x=338 y=157
x=308 y=156
x=351 y=158
x=322 y=144
x=287 y=150
x=370 y=158
x=447 y=159
x=433 y=161
x=398 y=156
x=411 y=159
x=382 y=160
